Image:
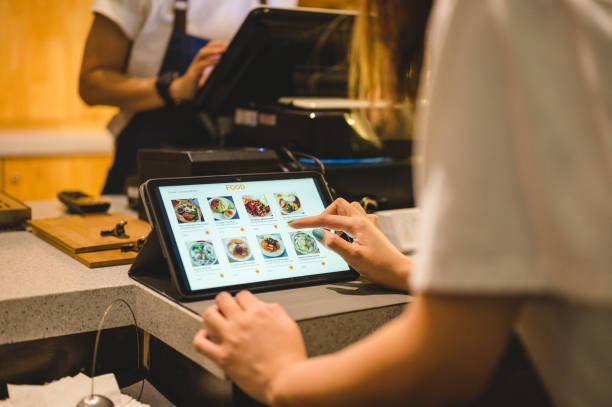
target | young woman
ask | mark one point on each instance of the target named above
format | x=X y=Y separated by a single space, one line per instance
x=514 y=125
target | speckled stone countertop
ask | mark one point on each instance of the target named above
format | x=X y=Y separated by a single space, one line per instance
x=45 y=293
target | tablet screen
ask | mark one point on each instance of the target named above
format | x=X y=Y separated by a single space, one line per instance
x=236 y=233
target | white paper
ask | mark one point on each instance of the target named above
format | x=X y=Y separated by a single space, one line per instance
x=401 y=227
x=67 y=391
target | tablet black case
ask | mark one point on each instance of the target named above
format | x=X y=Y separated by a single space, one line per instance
x=151 y=268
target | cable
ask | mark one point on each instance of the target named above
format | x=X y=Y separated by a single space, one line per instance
x=95 y=355
x=313 y=158
x=297 y=164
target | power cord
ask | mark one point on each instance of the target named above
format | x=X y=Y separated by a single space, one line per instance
x=294 y=164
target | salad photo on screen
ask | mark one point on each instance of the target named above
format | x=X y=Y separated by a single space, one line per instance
x=223 y=208
x=304 y=243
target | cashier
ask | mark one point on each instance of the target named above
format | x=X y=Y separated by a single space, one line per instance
x=149 y=57
x=515 y=132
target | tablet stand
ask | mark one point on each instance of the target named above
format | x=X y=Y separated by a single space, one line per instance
x=151 y=269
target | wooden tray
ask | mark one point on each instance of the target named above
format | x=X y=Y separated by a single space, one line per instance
x=79 y=236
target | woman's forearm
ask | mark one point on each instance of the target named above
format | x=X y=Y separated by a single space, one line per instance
x=103 y=79
x=370 y=372
x=108 y=87
x=441 y=350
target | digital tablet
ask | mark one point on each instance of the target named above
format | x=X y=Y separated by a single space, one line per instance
x=231 y=232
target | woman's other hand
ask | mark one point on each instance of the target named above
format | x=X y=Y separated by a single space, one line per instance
x=184 y=87
x=371 y=253
x=251 y=341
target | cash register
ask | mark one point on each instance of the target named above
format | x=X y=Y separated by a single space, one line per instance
x=280 y=88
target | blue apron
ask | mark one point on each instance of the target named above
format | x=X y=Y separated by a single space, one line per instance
x=175 y=126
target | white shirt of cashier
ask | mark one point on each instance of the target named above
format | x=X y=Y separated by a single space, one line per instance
x=148 y=24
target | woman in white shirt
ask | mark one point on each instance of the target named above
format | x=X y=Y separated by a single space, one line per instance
x=149 y=57
x=514 y=126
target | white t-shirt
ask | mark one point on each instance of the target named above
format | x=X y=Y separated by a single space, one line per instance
x=148 y=23
x=515 y=130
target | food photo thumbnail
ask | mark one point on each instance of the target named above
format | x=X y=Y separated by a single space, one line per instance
x=289 y=204
x=202 y=253
x=256 y=207
x=187 y=210
x=223 y=208
x=304 y=243
x=272 y=246
x=238 y=249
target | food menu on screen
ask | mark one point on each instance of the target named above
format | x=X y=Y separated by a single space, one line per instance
x=237 y=233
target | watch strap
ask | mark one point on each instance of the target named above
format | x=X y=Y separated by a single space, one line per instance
x=162 y=85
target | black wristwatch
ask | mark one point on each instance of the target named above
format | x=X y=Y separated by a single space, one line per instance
x=162 y=84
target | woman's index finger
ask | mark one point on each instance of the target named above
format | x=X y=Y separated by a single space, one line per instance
x=325 y=221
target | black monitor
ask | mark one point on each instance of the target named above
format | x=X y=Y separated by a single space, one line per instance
x=281 y=52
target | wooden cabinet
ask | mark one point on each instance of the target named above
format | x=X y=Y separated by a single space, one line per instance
x=30 y=178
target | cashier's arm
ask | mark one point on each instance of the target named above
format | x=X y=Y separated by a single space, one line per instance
x=440 y=350
x=103 y=79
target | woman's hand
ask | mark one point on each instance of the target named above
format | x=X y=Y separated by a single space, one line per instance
x=103 y=79
x=184 y=87
x=251 y=341
x=371 y=253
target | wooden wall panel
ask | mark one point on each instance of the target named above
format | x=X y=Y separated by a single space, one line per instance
x=42 y=46
x=40 y=58
x=31 y=178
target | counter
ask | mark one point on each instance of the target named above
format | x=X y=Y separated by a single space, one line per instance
x=41 y=142
x=45 y=293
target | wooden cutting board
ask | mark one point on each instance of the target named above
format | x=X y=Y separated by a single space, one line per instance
x=79 y=236
x=105 y=258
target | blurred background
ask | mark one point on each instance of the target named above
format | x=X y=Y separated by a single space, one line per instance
x=49 y=139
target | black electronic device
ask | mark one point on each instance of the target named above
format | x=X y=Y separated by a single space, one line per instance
x=283 y=82
x=386 y=181
x=331 y=133
x=281 y=52
x=80 y=202
x=167 y=163
x=13 y=212
x=231 y=233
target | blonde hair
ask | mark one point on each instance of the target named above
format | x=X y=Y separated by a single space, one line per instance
x=387 y=52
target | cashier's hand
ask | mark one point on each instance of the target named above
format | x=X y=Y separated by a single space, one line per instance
x=184 y=87
x=252 y=341
x=371 y=253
